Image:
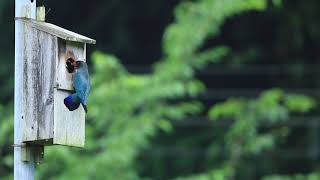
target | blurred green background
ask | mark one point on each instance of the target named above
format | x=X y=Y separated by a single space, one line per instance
x=186 y=90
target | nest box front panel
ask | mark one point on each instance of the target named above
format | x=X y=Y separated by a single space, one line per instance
x=69 y=126
x=68 y=51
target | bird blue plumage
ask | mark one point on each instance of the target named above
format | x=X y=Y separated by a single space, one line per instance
x=72 y=102
x=81 y=84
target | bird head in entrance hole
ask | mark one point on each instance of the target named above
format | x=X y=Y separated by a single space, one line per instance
x=70 y=65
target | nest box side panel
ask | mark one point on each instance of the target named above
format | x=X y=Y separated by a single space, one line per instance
x=69 y=126
x=38 y=81
x=68 y=50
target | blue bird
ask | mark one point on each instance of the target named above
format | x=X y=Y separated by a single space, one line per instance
x=81 y=84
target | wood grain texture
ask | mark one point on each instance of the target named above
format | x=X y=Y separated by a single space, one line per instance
x=22 y=170
x=69 y=126
x=38 y=81
x=68 y=50
x=46 y=82
x=59 y=32
x=41 y=13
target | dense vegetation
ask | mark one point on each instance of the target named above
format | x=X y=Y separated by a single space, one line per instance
x=128 y=111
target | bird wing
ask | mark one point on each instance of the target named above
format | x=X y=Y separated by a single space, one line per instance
x=81 y=84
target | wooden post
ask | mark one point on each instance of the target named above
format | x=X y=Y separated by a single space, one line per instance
x=41 y=13
x=23 y=170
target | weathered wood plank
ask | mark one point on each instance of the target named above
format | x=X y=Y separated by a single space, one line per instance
x=69 y=126
x=68 y=50
x=41 y=13
x=60 y=32
x=46 y=120
x=38 y=81
x=33 y=153
x=22 y=170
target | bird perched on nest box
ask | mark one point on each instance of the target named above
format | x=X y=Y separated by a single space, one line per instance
x=81 y=84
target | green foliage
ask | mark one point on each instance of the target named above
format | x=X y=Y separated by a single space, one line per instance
x=299 y=103
x=6 y=140
x=199 y=20
x=229 y=109
x=277 y=3
x=243 y=138
x=126 y=110
x=272 y=106
x=312 y=176
x=216 y=174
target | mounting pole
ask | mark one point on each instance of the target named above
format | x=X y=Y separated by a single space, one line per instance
x=23 y=170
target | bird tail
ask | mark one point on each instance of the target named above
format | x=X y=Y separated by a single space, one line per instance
x=72 y=102
x=85 y=108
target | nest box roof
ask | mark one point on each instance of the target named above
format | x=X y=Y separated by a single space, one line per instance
x=59 y=32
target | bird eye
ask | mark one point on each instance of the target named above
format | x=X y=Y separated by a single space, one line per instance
x=69 y=65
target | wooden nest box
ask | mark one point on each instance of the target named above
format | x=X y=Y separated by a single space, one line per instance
x=47 y=81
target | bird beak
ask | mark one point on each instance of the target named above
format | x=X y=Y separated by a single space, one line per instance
x=74 y=64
